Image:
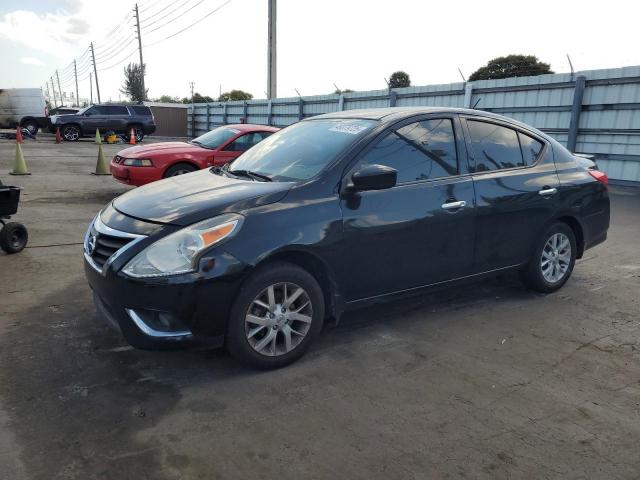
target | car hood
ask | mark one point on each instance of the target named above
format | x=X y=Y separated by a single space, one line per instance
x=185 y=199
x=140 y=151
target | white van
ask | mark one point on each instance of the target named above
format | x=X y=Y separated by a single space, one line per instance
x=23 y=106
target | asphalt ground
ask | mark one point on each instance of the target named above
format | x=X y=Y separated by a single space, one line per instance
x=482 y=381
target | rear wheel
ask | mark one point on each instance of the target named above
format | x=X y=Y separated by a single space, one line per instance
x=71 y=133
x=275 y=317
x=179 y=169
x=138 y=133
x=31 y=125
x=13 y=237
x=553 y=259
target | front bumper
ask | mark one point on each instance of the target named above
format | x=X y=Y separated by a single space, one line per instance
x=192 y=307
x=134 y=175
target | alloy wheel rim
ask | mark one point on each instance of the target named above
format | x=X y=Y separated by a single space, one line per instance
x=70 y=133
x=138 y=134
x=181 y=172
x=555 y=258
x=278 y=319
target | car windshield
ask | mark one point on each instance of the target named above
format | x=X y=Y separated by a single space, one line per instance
x=301 y=151
x=215 y=137
x=82 y=110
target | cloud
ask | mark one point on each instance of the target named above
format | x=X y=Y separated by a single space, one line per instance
x=52 y=33
x=32 y=61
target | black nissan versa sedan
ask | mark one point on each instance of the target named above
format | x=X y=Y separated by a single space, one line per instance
x=333 y=213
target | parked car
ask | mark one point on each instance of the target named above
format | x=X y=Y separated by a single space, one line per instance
x=25 y=107
x=143 y=164
x=118 y=118
x=62 y=110
x=336 y=212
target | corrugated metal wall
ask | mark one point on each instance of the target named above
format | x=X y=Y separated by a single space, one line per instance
x=170 y=121
x=608 y=118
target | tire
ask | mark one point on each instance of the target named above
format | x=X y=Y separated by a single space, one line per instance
x=13 y=237
x=252 y=343
x=31 y=125
x=71 y=133
x=179 y=169
x=539 y=274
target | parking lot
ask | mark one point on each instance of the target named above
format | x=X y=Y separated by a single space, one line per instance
x=483 y=381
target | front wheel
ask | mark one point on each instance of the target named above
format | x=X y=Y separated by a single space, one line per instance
x=179 y=169
x=275 y=317
x=71 y=133
x=553 y=259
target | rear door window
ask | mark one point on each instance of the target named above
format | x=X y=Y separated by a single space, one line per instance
x=531 y=148
x=116 y=110
x=494 y=147
x=418 y=151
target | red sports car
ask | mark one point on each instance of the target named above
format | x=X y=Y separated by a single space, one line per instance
x=147 y=163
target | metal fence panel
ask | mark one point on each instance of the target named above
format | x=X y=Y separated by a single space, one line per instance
x=606 y=123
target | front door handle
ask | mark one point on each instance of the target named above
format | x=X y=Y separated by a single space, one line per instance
x=454 y=205
x=548 y=191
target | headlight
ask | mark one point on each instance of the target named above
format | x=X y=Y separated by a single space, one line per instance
x=178 y=252
x=137 y=162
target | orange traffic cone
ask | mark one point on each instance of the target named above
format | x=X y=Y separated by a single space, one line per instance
x=19 y=138
x=132 y=138
x=58 y=137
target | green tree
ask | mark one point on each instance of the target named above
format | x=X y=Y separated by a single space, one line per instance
x=168 y=99
x=399 y=79
x=235 y=95
x=511 y=66
x=340 y=90
x=133 y=81
x=197 y=98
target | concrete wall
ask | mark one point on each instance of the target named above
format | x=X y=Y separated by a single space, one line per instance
x=595 y=111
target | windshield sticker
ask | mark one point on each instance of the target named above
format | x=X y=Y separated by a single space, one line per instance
x=348 y=127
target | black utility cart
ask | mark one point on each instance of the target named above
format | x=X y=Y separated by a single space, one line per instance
x=13 y=235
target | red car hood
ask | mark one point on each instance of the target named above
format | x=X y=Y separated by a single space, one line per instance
x=140 y=151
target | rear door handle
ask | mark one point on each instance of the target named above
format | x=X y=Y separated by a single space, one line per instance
x=454 y=205
x=548 y=191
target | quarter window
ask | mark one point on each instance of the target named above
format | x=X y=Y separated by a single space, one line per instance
x=531 y=148
x=418 y=151
x=494 y=147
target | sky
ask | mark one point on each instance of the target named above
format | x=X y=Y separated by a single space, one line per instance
x=350 y=43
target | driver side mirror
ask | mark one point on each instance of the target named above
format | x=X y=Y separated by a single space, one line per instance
x=373 y=177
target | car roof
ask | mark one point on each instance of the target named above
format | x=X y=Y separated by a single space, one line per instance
x=251 y=127
x=389 y=114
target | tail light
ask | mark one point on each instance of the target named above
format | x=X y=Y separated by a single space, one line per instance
x=599 y=176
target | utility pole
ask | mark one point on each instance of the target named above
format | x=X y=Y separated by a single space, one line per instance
x=144 y=91
x=272 y=89
x=55 y=101
x=75 y=72
x=59 y=89
x=95 y=71
x=90 y=88
x=193 y=112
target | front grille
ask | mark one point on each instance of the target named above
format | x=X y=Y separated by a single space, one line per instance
x=103 y=242
x=107 y=245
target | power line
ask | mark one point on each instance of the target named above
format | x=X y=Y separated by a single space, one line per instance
x=160 y=10
x=189 y=26
x=172 y=19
